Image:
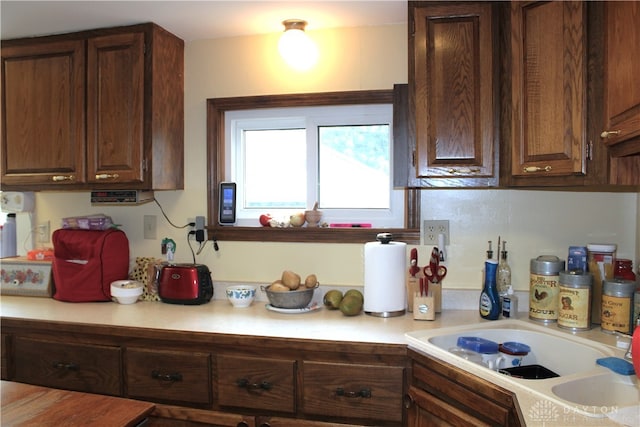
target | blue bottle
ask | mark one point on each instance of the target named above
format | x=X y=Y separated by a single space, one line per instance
x=489 y=298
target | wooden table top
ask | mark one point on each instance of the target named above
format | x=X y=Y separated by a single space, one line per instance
x=29 y=405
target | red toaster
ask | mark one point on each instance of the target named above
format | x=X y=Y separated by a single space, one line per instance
x=188 y=284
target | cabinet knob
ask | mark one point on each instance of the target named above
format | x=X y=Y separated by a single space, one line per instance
x=609 y=133
x=530 y=169
x=156 y=375
x=58 y=178
x=463 y=171
x=107 y=176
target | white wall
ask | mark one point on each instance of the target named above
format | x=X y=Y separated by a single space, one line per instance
x=352 y=59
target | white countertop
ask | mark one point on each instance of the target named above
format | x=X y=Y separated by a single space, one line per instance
x=219 y=317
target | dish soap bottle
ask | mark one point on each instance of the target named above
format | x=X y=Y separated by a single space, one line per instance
x=510 y=304
x=489 y=298
x=504 y=273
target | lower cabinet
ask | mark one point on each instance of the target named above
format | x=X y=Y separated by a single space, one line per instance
x=200 y=379
x=173 y=376
x=443 y=395
x=58 y=364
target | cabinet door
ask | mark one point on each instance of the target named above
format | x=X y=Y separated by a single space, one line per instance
x=79 y=367
x=622 y=68
x=168 y=375
x=352 y=390
x=454 y=95
x=426 y=410
x=43 y=138
x=548 y=89
x=115 y=108
x=257 y=383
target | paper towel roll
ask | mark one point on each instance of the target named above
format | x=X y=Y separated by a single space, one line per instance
x=385 y=266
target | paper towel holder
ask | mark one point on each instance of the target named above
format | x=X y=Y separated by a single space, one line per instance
x=384 y=238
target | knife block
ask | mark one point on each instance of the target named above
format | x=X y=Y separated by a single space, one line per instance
x=413 y=288
x=424 y=307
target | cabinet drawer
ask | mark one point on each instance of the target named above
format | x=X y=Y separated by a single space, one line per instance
x=168 y=375
x=350 y=390
x=80 y=367
x=258 y=383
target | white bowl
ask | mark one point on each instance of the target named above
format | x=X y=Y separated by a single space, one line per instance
x=126 y=291
x=241 y=296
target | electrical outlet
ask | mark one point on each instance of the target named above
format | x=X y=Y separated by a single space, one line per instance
x=44 y=229
x=432 y=228
x=198 y=228
x=149 y=227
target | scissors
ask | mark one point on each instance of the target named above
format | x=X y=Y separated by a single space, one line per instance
x=434 y=271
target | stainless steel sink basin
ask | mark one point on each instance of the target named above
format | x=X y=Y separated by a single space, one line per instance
x=582 y=384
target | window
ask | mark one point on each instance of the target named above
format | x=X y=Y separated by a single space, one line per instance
x=217 y=169
x=285 y=160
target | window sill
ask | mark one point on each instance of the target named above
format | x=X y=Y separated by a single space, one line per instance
x=310 y=235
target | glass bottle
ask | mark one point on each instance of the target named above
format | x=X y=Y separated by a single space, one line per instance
x=489 y=298
x=504 y=272
x=623 y=269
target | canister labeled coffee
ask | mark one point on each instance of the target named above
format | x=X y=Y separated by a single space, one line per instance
x=543 y=288
x=617 y=306
x=574 y=309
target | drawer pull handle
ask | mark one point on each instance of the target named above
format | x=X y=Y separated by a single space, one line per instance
x=609 y=133
x=156 y=375
x=67 y=366
x=107 y=176
x=463 y=171
x=365 y=392
x=245 y=383
x=537 y=169
x=57 y=178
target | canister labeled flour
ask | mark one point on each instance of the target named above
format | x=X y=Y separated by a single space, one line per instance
x=574 y=310
x=617 y=306
x=543 y=288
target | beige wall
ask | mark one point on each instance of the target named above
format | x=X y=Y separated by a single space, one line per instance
x=351 y=59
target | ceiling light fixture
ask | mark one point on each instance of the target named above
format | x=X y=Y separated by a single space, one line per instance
x=295 y=47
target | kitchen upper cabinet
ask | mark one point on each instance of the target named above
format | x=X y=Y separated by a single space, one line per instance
x=548 y=91
x=43 y=116
x=452 y=94
x=622 y=68
x=101 y=109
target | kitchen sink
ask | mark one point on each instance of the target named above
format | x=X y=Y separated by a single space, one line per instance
x=581 y=384
x=607 y=389
x=561 y=353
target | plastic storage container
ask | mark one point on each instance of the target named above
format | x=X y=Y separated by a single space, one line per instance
x=9 y=247
x=600 y=261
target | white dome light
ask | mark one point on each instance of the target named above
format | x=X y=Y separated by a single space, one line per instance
x=295 y=47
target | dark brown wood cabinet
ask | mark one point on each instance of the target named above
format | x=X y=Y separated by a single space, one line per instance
x=214 y=379
x=453 y=94
x=101 y=109
x=621 y=131
x=549 y=90
x=72 y=366
x=441 y=394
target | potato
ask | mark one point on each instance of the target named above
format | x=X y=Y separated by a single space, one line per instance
x=311 y=281
x=277 y=286
x=290 y=279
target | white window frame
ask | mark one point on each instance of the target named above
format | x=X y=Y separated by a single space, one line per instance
x=295 y=117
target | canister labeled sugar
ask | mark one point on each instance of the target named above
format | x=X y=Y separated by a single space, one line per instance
x=543 y=288
x=574 y=309
x=617 y=306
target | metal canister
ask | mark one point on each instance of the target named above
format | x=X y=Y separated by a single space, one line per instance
x=543 y=288
x=617 y=306
x=574 y=293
